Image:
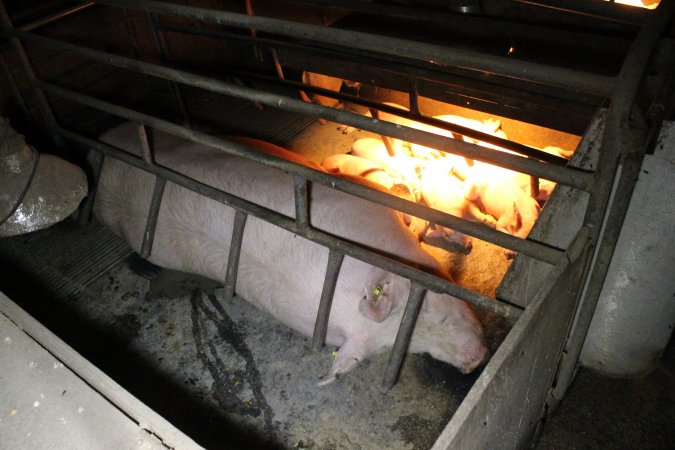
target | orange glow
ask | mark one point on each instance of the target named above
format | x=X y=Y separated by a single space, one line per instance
x=647 y=4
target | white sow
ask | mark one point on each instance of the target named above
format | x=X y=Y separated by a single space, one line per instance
x=280 y=272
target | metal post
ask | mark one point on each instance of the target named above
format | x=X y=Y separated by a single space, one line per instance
x=235 y=252
x=405 y=330
x=153 y=213
x=301 y=203
x=332 y=272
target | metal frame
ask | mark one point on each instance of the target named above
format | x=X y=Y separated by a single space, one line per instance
x=570 y=265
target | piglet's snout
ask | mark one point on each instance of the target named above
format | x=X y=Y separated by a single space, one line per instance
x=475 y=357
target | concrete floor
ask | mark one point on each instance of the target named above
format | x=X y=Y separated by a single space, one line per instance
x=228 y=375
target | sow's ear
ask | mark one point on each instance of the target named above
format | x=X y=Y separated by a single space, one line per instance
x=382 y=296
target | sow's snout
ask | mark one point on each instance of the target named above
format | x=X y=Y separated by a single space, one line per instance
x=451 y=332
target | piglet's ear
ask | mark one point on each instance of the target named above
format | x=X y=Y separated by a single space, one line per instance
x=377 y=303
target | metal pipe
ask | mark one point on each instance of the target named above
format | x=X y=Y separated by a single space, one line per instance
x=571 y=177
x=153 y=213
x=537 y=250
x=405 y=330
x=428 y=280
x=323 y=314
x=435 y=54
x=238 y=228
x=51 y=18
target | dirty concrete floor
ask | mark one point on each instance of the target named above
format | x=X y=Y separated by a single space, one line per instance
x=232 y=377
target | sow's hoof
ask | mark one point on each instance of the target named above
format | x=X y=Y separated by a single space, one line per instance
x=143 y=268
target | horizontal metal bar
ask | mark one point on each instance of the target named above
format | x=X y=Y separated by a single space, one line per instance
x=330 y=281
x=571 y=177
x=51 y=18
x=534 y=249
x=606 y=11
x=385 y=262
x=435 y=54
x=405 y=330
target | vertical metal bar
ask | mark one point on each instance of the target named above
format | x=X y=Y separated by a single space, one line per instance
x=388 y=142
x=413 y=95
x=405 y=330
x=151 y=223
x=95 y=159
x=534 y=186
x=145 y=146
x=235 y=251
x=25 y=64
x=321 y=325
x=163 y=50
x=301 y=203
x=13 y=86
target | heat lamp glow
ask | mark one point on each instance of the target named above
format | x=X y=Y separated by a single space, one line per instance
x=647 y=4
x=473 y=190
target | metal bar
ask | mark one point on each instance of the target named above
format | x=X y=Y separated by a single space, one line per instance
x=95 y=160
x=621 y=153
x=607 y=11
x=467 y=23
x=51 y=18
x=537 y=250
x=25 y=65
x=235 y=252
x=153 y=213
x=405 y=330
x=413 y=97
x=332 y=272
x=383 y=261
x=301 y=203
x=11 y=81
x=571 y=177
x=534 y=72
x=145 y=146
x=163 y=50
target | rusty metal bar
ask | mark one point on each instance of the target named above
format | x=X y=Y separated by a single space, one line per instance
x=51 y=18
x=235 y=252
x=335 y=259
x=568 y=176
x=153 y=214
x=385 y=262
x=439 y=55
x=405 y=330
x=537 y=250
x=301 y=203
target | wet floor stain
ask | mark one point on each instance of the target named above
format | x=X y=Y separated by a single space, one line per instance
x=237 y=387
